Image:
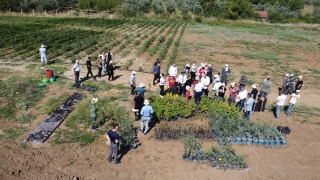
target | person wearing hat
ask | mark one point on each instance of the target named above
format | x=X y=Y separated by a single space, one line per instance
x=249 y=107
x=99 y=62
x=279 y=103
x=43 y=54
x=138 y=104
x=233 y=91
x=161 y=84
x=171 y=83
x=146 y=113
x=285 y=84
x=292 y=101
x=188 y=93
x=182 y=79
x=142 y=89
x=108 y=57
x=242 y=98
x=133 y=81
x=243 y=81
x=299 y=83
x=254 y=91
x=76 y=70
x=156 y=72
x=173 y=70
x=93 y=114
x=187 y=68
x=193 y=71
x=157 y=62
x=221 y=92
x=110 y=71
x=224 y=74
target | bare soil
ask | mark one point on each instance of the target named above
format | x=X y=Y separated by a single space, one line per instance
x=156 y=159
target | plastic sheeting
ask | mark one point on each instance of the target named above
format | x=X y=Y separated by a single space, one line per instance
x=46 y=128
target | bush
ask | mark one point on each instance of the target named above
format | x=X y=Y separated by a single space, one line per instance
x=275 y=17
x=186 y=17
x=198 y=19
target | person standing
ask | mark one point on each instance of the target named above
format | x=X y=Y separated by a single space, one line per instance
x=103 y=59
x=113 y=137
x=187 y=68
x=279 y=103
x=193 y=71
x=109 y=57
x=138 y=104
x=76 y=69
x=161 y=84
x=89 y=67
x=146 y=113
x=291 y=84
x=254 y=91
x=171 y=82
x=93 y=114
x=292 y=101
x=182 y=79
x=205 y=80
x=243 y=81
x=173 y=70
x=233 y=93
x=99 y=67
x=110 y=71
x=156 y=72
x=43 y=54
x=224 y=74
x=266 y=88
x=157 y=62
x=142 y=89
x=299 y=83
x=133 y=81
x=198 y=92
x=221 y=92
x=285 y=84
x=209 y=72
x=188 y=93
x=248 y=108
x=242 y=98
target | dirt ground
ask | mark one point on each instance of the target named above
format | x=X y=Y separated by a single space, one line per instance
x=156 y=159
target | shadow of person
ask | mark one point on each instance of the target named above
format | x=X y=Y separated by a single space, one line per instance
x=116 y=77
x=123 y=151
x=273 y=109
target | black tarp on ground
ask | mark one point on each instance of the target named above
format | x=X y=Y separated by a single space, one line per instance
x=46 y=128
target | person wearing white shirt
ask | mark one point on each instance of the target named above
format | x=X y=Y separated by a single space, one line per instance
x=292 y=101
x=182 y=83
x=198 y=88
x=43 y=54
x=280 y=102
x=173 y=70
x=242 y=98
x=161 y=84
x=205 y=80
x=76 y=69
x=193 y=71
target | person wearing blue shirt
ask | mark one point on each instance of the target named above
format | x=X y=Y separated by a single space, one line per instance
x=113 y=137
x=142 y=89
x=146 y=112
x=249 y=106
x=156 y=72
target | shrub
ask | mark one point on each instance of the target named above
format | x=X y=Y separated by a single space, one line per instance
x=198 y=19
x=187 y=17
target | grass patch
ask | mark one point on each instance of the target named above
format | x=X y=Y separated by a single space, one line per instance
x=302 y=107
x=12 y=133
x=52 y=103
x=67 y=136
x=266 y=56
x=248 y=73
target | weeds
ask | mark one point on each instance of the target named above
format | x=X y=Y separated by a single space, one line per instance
x=52 y=103
x=12 y=133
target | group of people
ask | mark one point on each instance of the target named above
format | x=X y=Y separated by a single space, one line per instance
x=104 y=63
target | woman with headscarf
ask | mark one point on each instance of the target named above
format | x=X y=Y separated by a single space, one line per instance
x=224 y=74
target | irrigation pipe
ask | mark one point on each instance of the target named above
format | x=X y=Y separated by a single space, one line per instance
x=300 y=112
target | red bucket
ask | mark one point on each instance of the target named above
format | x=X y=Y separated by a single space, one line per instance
x=49 y=74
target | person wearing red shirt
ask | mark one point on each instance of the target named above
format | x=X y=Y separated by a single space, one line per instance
x=171 y=81
x=201 y=72
x=188 y=93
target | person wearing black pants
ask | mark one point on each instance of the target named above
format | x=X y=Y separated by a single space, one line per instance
x=110 y=71
x=156 y=72
x=161 y=84
x=99 y=67
x=89 y=67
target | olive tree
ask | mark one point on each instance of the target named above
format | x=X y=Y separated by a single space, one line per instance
x=157 y=6
x=170 y=6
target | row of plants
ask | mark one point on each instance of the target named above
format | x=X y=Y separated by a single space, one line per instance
x=220 y=157
x=237 y=130
x=177 y=132
x=166 y=46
